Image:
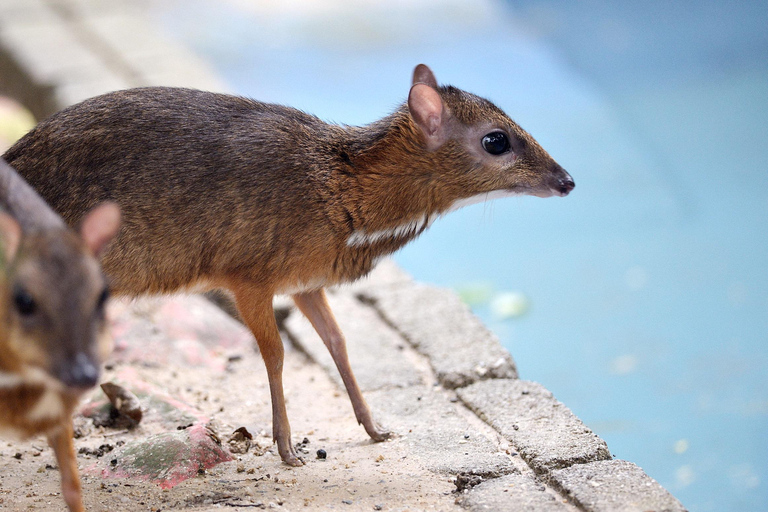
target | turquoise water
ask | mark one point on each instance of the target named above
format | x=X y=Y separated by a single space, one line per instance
x=641 y=300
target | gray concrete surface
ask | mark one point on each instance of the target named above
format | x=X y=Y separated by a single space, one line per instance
x=431 y=371
x=518 y=492
x=548 y=435
x=613 y=485
x=460 y=348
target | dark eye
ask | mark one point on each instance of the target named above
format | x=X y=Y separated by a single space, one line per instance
x=102 y=300
x=24 y=302
x=496 y=143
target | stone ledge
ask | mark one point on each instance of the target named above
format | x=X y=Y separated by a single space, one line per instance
x=518 y=492
x=548 y=435
x=375 y=349
x=613 y=486
x=435 y=322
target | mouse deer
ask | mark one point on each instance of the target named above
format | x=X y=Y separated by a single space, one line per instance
x=53 y=333
x=219 y=191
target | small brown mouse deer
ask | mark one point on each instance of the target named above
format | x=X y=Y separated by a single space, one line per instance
x=262 y=199
x=52 y=326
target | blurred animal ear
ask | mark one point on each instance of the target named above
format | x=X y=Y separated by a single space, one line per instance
x=10 y=232
x=99 y=226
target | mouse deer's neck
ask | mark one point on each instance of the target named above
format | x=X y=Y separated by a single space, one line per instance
x=398 y=180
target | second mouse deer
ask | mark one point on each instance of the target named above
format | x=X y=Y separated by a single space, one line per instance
x=53 y=333
x=221 y=191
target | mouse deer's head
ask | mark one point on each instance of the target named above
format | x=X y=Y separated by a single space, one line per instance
x=54 y=297
x=485 y=152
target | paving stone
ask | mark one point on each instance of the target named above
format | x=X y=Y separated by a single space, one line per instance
x=160 y=410
x=179 y=329
x=372 y=345
x=13 y=12
x=166 y=459
x=441 y=438
x=435 y=321
x=547 y=434
x=47 y=49
x=518 y=492
x=613 y=486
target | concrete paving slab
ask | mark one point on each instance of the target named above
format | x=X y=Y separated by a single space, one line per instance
x=547 y=434
x=515 y=492
x=375 y=349
x=437 y=434
x=435 y=321
x=613 y=486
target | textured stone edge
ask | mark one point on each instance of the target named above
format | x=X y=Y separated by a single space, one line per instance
x=459 y=347
x=604 y=486
x=547 y=434
x=38 y=77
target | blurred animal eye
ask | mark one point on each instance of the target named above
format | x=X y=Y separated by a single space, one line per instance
x=496 y=143
x=102 y=300
x=24 y=303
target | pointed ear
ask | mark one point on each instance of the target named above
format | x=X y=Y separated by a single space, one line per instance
x=423 y=75
x=99 y=226
x=426 y=109
x=10 y=232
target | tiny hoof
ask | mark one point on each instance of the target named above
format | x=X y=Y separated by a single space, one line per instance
x=379 y=434
x=382 y=436
x=293 y=460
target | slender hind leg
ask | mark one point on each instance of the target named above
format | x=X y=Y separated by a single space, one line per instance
x=255 y=308
x=315 y=307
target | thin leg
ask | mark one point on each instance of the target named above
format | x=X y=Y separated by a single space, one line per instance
x=64 y=449
x=315 y=307
x=256 y=310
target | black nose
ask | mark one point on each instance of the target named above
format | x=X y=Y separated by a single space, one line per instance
x=80 y=372
x=565 y=185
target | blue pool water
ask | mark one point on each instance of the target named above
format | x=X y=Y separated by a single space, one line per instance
x=641 y=300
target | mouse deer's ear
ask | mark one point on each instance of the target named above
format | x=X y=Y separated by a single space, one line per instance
x=10 y=233
x=99 y=226
x=423 y=75
x=426 y=108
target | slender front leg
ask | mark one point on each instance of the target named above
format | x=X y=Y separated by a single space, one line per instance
x=315 y=307
x=256 y=310
x=64 y=450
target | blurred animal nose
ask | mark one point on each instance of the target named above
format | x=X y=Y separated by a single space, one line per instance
x=565 y=185
x=80 y=372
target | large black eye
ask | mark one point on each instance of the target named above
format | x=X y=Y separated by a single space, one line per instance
x=102 y=300
x=496 y=143
x=24 y=302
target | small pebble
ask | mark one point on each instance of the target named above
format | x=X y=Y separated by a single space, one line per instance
x=321 y=454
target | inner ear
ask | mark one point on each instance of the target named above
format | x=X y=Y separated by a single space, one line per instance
x=99 y=226
x=10 y=233
x=426 y=108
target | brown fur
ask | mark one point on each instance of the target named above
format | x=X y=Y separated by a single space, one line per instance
x=52 y=327
x=262 y=199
